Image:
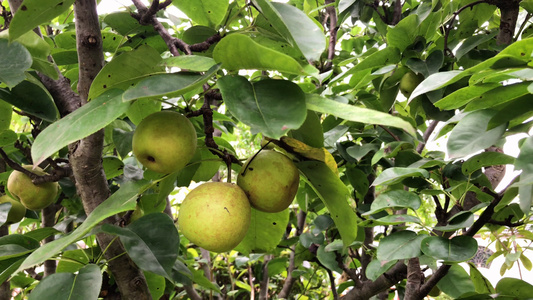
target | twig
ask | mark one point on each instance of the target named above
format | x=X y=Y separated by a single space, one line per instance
x=426 y=135
x=391 y=133
x=333 y=28
x=447 y=50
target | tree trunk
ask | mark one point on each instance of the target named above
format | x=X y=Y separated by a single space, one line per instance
x=509 y=15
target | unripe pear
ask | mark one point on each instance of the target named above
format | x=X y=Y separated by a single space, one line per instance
x=17 y=211
x=270 y=180
x=32 y=196
x=164 y=142
x=409 y=82
x=215 y=216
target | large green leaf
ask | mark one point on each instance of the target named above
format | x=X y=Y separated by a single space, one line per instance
x=404 y=33
x=123 y=23
x=6 y=112
x=237 y=51
x=400 y=245
x=398 y=174
x=152 y=242
x=471 y=135
x=456 y=282
x=375 y=268
x=170 y=85
x=32 y=97
x=463 y=96
x=126 y=69
x=295 y=26
x=498 y=96
x=204 y=12
x=272 y=107
x=436 y=81
x=514 y=287
x=395 y=199
x=121 y=200
x=86 y=120
x=33 y=13
x=68 y=286
x=265 y=232
x=195 y=63
x=523 y=162
x=335 y=196
x=459 y=221
x=354 y=113
x=458 y=249
x=15 y=59
x=481 y=283
x=486 y=159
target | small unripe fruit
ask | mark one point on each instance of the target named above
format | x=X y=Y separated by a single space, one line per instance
x=215 y=216
x=270 y=180
x=17 y=211
x=164 y=142
x=32 y=196
x=409 y=82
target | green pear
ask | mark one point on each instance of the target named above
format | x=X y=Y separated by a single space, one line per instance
x=215 y=216
x=270 y=180
x=164 y=142
x=409 y=82
x=32 y=196
x=17 y=211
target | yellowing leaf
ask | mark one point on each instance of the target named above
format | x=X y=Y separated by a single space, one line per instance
x=320 y=154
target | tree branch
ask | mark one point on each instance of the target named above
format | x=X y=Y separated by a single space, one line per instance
x=427 y=134
x=290 y=280
x=333 y=28
x=448 y=28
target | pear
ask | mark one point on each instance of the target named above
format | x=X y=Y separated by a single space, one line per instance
x=32 y=196
x=215 y=216
x=164 y=142
x=17 y=211
x=270 y=180
x=409 y=82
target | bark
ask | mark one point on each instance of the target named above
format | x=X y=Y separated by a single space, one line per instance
x=86 y=155
x=368 y=288
x=263 y=285
x=290 y=280
x=509 y=15
x=414 y=278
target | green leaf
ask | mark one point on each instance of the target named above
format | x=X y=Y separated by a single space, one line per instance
x=7 y=137
x=481 y=283
x=6 y=112
x=514 y=287
x=400 y=245
x=156 y=284
x=277 y=265
x=32 y=97
x=328 y=259
x=170 y=85
x=498 y=96
x=486 y=159
x=404 y=33
x=237 y=51
x=295 y=26
x=204 y=12
x=141 y=109
x=265 y=231
x=123 y=23
x=66 y=286
x=73 y=260
x=269 y=106
x=152 y=242
x=471 y=135
x=356 y=114
x=121 y=200
x=86 y=120
x=33 y=13
x=310 y=132
x=458 y=249
x=463 y=96
x=125 y=70
x=523 y=162
x=459 y=221
x=436 y=81
x=14 y=61
x=335 y=195
x=397 y=174
x=456 y=282
x=395 y=199
x=375 y=268
x=189 y=62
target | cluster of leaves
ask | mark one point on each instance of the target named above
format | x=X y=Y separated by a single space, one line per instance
x=320 y=81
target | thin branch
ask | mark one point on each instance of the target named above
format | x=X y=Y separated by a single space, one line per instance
x=426 y=135
x=333 y=28
x=447 y=50
x=391 y=133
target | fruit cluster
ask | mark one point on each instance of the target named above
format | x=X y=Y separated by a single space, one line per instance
x=215 y=215
x=27 y=195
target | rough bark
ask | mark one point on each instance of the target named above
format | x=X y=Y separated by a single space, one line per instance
x=368 y=288
x=509 y=15
x=86 y=154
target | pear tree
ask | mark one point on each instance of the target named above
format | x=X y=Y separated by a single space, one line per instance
x=233 y=149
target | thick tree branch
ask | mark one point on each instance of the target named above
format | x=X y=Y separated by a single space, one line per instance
x=414 y=278
x=368 y=288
